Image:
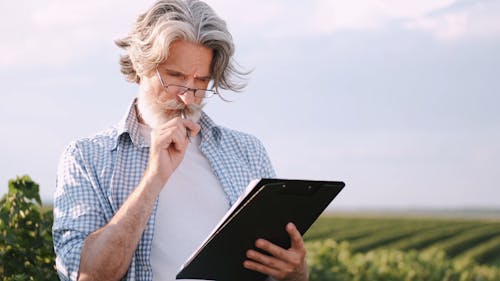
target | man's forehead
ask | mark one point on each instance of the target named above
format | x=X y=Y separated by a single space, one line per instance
x=173 y=70
x=189 y=58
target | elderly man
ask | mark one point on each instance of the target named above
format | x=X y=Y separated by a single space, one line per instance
x=134 y=201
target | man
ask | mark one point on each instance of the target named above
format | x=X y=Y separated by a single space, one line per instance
x=134 y=201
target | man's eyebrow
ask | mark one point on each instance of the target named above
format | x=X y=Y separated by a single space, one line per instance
x=204 y=77
x=172 y=71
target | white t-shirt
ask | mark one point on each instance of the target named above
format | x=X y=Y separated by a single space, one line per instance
x=190 y=206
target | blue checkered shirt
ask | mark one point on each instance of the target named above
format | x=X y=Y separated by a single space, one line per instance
x=96 y=175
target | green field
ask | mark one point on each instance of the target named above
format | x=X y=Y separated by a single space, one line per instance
x=474 y=239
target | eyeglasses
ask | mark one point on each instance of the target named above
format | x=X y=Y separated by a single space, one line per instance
x=181 y=90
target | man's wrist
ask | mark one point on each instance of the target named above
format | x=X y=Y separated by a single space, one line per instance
x=152 y=181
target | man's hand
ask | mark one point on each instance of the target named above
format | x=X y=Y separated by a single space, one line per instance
x=282 y=264
x=168 y=145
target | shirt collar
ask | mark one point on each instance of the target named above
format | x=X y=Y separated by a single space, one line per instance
x=129 y=126
x=210 y=132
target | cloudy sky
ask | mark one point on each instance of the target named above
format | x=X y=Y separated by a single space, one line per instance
x=399 y=99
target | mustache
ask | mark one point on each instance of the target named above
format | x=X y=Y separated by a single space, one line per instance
x=174 y=105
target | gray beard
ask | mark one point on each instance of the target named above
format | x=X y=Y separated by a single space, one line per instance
x=155 y=114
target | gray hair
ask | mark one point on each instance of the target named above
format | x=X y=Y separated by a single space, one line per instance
x=166 y=21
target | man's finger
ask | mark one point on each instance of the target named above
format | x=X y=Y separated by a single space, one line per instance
x=191 y=126
x=272 y=249
x=248 y=264
x=269 y=261
x=296 y=239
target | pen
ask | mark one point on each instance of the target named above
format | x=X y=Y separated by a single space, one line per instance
x=188 y=132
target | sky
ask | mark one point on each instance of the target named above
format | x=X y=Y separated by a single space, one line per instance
x=398 y=99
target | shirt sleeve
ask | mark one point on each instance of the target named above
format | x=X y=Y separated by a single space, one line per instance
x=76 y=211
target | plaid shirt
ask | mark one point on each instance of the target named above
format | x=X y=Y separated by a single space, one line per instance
x=96 y=175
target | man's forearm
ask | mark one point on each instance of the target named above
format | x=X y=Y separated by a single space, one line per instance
x=107 y=252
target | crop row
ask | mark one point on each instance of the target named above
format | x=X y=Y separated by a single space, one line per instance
x=468 y=239
x=329 y=260
x=387 y=236
x=485 y=252
x=421 y=240
x=472 y=239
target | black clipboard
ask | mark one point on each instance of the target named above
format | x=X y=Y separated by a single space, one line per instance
x=261 y=212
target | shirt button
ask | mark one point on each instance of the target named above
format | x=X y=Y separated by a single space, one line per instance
x=145 y=268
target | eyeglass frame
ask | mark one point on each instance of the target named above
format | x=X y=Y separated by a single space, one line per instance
x=186 y=89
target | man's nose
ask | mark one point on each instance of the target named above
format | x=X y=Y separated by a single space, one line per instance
x=188 y=97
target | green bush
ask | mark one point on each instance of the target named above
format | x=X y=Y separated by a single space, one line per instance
x=330 y=261
x=26 y=247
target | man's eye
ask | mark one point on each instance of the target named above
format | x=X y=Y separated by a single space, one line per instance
x=176 y=78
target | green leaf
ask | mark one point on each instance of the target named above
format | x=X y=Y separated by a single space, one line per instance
x=26 y=246
x=26 y=187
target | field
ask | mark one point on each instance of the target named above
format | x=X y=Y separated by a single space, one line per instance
x=388 y=247
x=476 y=239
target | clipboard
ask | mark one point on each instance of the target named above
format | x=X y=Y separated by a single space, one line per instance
x=261 y=212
